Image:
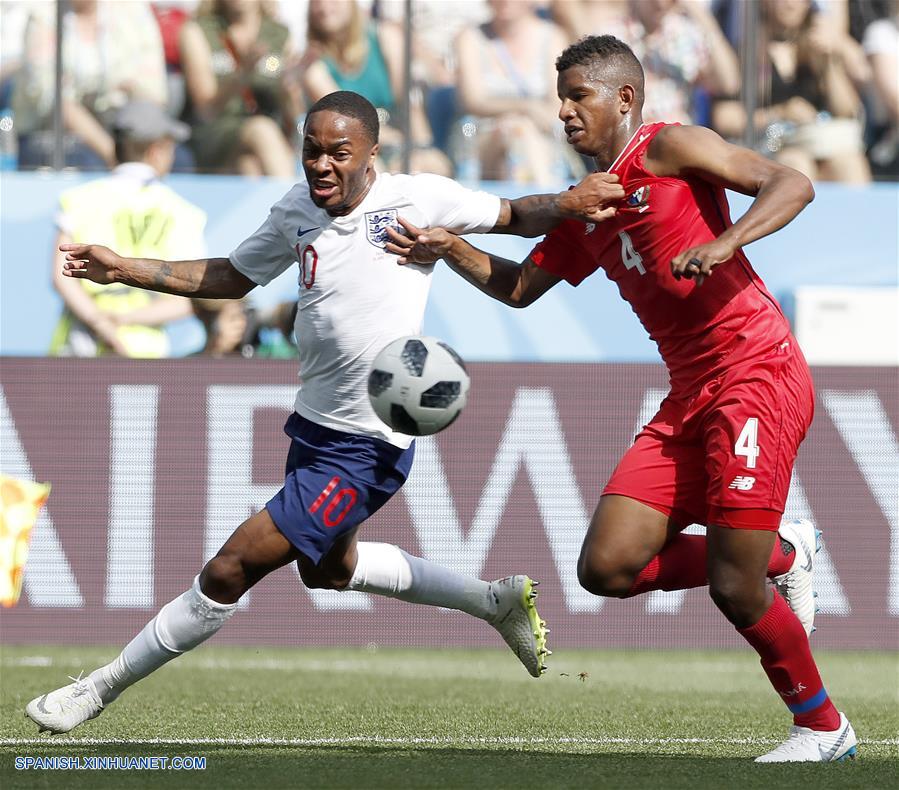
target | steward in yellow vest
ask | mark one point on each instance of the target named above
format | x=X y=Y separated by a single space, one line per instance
x=133 y=211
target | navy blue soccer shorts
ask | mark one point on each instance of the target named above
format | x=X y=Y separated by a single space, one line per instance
x=332 y=483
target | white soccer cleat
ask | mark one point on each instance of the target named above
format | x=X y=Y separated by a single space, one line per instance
x=518 y=622
x=795 y=586
x=64 y=709
x=811 y=746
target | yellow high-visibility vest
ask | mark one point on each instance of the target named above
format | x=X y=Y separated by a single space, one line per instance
x=137 y=220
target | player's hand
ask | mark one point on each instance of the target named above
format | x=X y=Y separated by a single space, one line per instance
x=591 y=200
x=417 y=245
x=698 y=262
x=90 y=262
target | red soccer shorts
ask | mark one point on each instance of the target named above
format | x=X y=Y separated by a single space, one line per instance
x=724 y=455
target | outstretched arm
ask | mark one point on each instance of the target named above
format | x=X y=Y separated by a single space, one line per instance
x=516 y=285
x=592 y=200
x=212 y=278
x=78 y=301
x=780 y=192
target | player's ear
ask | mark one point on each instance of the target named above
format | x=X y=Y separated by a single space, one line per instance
x=375 y=150
x=626 y=97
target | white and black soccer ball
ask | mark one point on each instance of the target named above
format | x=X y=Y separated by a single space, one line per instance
x=418 y=385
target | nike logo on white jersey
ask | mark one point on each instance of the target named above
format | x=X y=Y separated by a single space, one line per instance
x=301 y=232
x=742 y=483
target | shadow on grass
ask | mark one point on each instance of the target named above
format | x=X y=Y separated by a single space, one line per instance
x=359 y=767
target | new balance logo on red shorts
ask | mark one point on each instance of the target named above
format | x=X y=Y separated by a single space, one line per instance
x=742 y=482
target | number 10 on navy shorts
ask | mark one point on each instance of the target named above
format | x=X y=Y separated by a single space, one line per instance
x=332 y=483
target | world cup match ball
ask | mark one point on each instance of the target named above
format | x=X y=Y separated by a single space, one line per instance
x=418 y=385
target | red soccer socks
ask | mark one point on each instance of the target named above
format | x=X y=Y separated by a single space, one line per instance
x=780 y=641
x=681 y=565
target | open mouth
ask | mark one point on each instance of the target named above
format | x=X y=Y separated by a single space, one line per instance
x=573 y=133
x=323 y=189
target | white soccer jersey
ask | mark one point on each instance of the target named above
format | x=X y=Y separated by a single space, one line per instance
x=353 y=296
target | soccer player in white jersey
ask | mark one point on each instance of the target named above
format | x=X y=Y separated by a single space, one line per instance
x=343 y=463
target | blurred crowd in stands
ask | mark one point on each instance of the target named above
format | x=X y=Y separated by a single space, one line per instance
x=221 y=86
x=241 y=72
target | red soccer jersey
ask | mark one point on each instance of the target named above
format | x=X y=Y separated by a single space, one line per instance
x=699 y=330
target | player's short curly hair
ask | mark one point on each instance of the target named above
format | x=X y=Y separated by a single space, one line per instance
x=354 y=106
x=596 y=50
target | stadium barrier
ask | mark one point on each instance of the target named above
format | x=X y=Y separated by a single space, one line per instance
x=846 y=239
x=154 y=463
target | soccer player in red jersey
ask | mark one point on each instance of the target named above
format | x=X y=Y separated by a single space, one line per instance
x=720 y=450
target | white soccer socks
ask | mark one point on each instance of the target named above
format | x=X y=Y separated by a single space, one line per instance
x=387 y=570
x=181 y=625
x=381 y=569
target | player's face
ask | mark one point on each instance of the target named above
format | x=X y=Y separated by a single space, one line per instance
x=591 y=110
x=338 y=159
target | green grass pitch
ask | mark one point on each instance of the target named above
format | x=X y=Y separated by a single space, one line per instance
x=355 y=718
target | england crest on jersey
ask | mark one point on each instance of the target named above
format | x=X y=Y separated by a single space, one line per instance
x=376 y=224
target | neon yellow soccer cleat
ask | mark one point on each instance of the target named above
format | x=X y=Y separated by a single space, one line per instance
x=519 y=623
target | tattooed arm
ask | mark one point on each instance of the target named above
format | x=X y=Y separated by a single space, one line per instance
x=211 y=278
x=592 y=200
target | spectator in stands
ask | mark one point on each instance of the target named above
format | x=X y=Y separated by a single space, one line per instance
x=435 y=26
x=129 y=209
x=881 y=45
x=243 y=99
x=292 y=14
x=170 y=17
x=112 y=54
x=579 y=18
x=357 y=54
x=506 y=80
x=14 y=15
x=225 y=322
x=808 y=106
x=235 y=328
x=683 y=50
